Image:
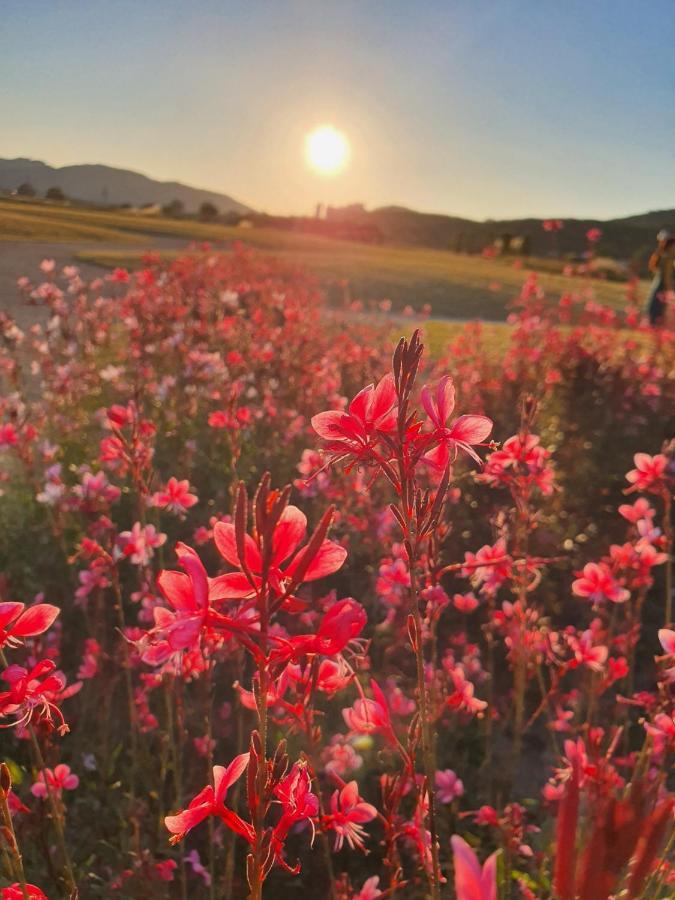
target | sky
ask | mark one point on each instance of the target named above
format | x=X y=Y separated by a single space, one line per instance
x=477 y=108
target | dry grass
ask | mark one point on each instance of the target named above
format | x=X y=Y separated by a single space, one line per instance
x=455 y=285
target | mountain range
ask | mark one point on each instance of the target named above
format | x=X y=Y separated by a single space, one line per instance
x=107 y=185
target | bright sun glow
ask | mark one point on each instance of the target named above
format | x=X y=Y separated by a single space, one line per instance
x=327 y=150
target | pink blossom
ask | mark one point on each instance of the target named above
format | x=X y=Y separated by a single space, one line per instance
x=464 y=432
x=355 y=432
x=370 y=716
x=448 y=786
x=648 y=473
x=597 y=583
x=58 y=779
x=473 y=882
x=348 y=815
x=369 y=889
x=175 y=497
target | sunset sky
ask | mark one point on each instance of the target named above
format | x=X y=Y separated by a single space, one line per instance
x=481 y=109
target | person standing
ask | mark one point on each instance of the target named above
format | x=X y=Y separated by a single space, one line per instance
x=661 y=265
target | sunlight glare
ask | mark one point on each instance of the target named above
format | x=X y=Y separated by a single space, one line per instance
x=327 y=150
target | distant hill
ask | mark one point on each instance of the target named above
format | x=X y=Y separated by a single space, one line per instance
x=107 y=185
x=629 y=238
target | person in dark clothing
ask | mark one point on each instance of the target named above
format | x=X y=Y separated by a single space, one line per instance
x=661 y=265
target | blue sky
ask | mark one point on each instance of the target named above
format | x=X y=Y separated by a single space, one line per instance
x=484 y=109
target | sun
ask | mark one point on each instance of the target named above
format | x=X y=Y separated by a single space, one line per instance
x=327 y=150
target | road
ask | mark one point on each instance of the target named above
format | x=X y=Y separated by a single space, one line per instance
x=18 y=258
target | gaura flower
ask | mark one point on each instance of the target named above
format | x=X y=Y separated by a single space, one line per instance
x=211 y=802
x=355 y=432
x=286 y=557
x=473 y=882
x=17 y=622
x=55 y=781
x=464 y=432
x=348 y=814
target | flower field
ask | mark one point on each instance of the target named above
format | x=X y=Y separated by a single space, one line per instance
x=291 y=607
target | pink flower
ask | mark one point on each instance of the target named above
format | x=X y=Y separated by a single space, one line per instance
x=17 y=622
x=33 y=693
x=667 y=640
x=211 y=802
x=294 y=791
x=286 y=557
x=463 y=696
x=348 y=813
x=175 y=497
x=465 y=603
x=370 y=716
x=354 y=433
x=139 y=544
x=57 y=780
x=663 y=727
x=461 y=435
x=448 y=786
x=8 y=435
x=588 y=654
x=634 y=512
x=648 y=473
x=190 y=597
x=343 y=622
x=197 y=866
x=597 y=583
x=369 y=890
x=471 y=881
x=593 y=235
x=339 y=757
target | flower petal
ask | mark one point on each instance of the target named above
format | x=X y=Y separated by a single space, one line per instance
x=35 y=620
x=471 y=429
x=288 y=534
x=226 y=542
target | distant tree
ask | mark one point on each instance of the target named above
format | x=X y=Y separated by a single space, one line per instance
x=175 y=209
x=55 y=193
x=208 y=212
x=25 y=190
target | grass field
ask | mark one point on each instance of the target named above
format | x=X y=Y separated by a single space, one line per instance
x=455 y=285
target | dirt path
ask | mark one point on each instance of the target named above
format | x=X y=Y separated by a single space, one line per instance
x=18 y=258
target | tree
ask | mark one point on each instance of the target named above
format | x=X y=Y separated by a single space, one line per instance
x=55 y=193
x=25 y=190
x=208 y=212
x=175 y=209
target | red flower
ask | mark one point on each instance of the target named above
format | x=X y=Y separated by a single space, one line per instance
x=464 y=431
x=471 y=881
x=190 y=595
x=211 y=802
x=57 y=780
x=286 y=558
x=17 y=622
x=369 y=716
x=343 y=622
x=348 y=813
x=32 y=691
x=15 y=892
x=649 y=472
x=297 y=800
x=355 y=433
x=597 y=583
x=175 y=497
